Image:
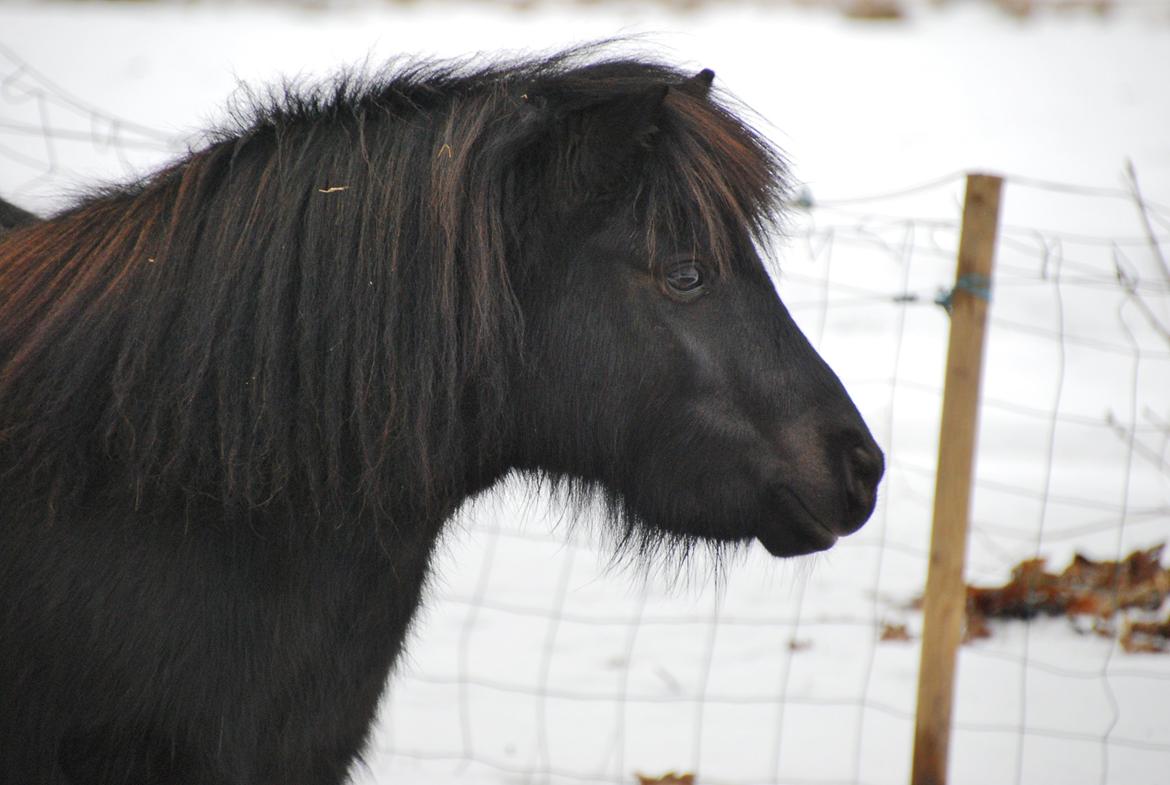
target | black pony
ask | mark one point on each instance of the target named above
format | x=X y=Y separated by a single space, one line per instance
x=239 y=399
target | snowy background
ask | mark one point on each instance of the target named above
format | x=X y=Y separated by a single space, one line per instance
x=533 y=661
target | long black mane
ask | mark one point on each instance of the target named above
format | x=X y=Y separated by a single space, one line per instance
x=304 y=311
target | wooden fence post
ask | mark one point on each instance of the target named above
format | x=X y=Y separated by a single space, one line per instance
x=946 y=596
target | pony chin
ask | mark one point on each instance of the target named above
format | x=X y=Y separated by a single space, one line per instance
x=719 y=511
x=640 y=542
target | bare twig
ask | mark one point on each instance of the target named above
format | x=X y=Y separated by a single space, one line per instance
x=1129 y=284
x=1144 y=213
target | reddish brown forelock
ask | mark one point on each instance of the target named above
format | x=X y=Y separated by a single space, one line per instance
x=717 y=182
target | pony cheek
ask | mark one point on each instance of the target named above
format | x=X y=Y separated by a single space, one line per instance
x=688 y=475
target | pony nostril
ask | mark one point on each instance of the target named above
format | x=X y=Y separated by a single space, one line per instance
x=864 y=467
x=868 y=464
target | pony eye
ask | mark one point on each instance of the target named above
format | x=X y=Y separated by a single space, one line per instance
x=686 y=279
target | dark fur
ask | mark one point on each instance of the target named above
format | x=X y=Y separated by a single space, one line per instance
x=12 y=216
x=239 y=399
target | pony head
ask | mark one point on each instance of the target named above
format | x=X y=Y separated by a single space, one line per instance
x=659 y=365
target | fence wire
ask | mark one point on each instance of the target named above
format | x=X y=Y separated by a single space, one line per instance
x=537 y=660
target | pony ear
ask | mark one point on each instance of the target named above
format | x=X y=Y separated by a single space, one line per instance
x=590 y=137
x=604 y=132
x=624 y=123
x=613 y=133
x=699 y=85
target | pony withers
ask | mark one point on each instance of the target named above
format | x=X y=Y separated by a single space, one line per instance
x=240 y=398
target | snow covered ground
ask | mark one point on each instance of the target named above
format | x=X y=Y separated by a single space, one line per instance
x=532 y=662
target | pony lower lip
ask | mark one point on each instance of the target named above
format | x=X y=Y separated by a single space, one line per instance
x=798 y=531
x=796 y=543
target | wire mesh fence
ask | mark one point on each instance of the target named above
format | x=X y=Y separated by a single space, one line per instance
x=539 y=659
x=784 y=676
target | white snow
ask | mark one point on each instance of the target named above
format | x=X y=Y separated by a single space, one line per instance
x=531 y=662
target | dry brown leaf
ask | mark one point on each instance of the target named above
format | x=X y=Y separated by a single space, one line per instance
x=669 y=778
x=884 y=10
x=894 y=632
x=1152 y=637
x=1085 y=589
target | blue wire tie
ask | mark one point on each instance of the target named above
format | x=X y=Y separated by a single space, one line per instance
x=974 y=283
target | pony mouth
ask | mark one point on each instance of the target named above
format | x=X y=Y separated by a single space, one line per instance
x=799 y=532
